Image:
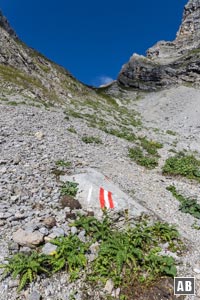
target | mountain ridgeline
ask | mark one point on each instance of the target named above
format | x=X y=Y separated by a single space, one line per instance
x=165 y=64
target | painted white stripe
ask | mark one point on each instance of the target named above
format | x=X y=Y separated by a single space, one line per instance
x=107 y=205
x=89 y=194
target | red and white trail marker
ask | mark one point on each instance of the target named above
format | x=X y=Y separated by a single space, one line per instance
x=105 y=199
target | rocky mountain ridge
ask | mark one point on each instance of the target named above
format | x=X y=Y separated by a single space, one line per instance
x=168 y=63
x=5 y=25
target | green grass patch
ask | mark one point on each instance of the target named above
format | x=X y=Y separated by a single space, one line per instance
x=124 y=133
x=150 y=146
x=171 y=132
x=12 y=103
x=141 y=159
x=187 y=205
x=91 y=140
x=72 y=130
x=62 y=163
x=183 y=165
x=146 y=154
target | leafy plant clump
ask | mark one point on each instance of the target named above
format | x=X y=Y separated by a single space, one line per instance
x=171 y=132
x=91 y=139
x=26 y=266
x=131 y=252
x=183 y=165
x=70 y=253
x=134 y=253
x=72 y=130
x=124 y=133
x=146 y=154
x=189 y=206
x=141 y=159
x=150 y=146
x=122 y=255
x=62 y=163
x=69 y=188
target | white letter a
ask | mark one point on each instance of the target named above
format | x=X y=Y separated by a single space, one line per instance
x=180 y=286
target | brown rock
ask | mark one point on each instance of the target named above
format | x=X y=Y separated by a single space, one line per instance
x=70 y=215
x=49 y=222
x=29 y=239
x=68 y=201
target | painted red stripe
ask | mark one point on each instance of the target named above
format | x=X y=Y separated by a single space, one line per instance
x=110 y=200
x=101 y=197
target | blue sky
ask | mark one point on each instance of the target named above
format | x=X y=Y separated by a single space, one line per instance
x=93 y=39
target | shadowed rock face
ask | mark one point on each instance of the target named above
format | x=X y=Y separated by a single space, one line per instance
x=5 y=24
x=168 y=63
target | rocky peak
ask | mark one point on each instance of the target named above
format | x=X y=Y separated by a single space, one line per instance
x=6 y=26
x=189 y=32
x=168 y=63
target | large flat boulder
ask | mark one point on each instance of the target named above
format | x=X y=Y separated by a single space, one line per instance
x=97 y=191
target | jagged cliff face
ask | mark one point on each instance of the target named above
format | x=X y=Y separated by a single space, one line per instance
x=168 y=63
x=189 y=32
x=6 y=26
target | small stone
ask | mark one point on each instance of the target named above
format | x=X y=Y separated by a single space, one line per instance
x=94 y=248
x=3 y=170
x=38 y=206
x=19 y=216
x=49 y=248
x=2 y=223
x=91 y=257
x=68 y=201
x=13 y=283
x=90 y=213
x=196 y=270
x=30 y=239
x=14 y=198
x=44 y=230
x=70 y=215
x=58 y=231
x=74 y=230
x=116 y=293
x=109 y=286
x=4 y=216
x=13 y=246
x=49 y=222
x=39 y=135
x=31 y=227
x=81 y=236
x=34 y=296
x=25 y=249
x=50 y=237
x=16 y=160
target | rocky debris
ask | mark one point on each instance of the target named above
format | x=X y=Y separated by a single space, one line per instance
x=168 y=63
x=30 y=239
